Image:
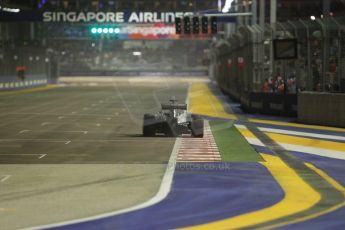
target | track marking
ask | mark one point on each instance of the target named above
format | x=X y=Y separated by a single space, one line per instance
x=298 y=133
x=319 y=144
x=43 y=155
x=40 y=156
x=61 y=115
x=304 y=141
x=199 y=149
x=303 y=134
x=80 y=140
x=299 y=196
x=288 y=124
x=53 y=131
x=24 y=131
x=330 y=180
x=195 y=159
x=162 y=193
x=197 y=155
x=33 y=140
x=204 y=102
x=298 y=144
x=5 y=178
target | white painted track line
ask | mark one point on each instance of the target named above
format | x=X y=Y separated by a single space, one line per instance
x=5 y=178
x=298 y=133
x=200 y=149
x=161 y=194
x=164 y=190
x=40 y=156
x=304 y=149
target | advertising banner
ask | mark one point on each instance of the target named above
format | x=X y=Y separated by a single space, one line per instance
x=94 y=17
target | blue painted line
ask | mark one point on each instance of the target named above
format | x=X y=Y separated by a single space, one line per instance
x=202 y=194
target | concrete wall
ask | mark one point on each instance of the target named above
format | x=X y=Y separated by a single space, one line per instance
x=321 y=108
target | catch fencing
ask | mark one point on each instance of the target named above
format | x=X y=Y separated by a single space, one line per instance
x=245 y=68
x=23 y=67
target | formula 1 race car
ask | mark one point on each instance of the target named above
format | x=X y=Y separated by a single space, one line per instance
x=173 y=120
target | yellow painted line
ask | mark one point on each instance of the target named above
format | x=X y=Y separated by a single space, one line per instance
x=321 y=144
x=246 y=133
x=32 y=90
x=299 y=196
x=203 y=102
x=302 y=141
x=290 y=124
x=330 y=180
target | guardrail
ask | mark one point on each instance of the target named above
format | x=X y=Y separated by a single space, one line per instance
x=321 y=108
x=11 y=83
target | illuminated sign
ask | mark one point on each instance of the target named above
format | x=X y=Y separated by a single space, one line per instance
x=139 y=31
x=114 y=17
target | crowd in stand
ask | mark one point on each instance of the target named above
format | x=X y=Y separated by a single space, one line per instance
x=277 y=85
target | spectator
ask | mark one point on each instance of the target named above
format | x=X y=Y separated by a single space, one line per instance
x=21 y=72
x=266 y=86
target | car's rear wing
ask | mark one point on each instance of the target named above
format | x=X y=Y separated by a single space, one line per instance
x=174 y=106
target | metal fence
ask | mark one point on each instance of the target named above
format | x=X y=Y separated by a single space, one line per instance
x=34 y=60
x=22 y=67
x=245 y=63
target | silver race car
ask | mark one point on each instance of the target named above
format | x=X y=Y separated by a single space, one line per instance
x=173 y=120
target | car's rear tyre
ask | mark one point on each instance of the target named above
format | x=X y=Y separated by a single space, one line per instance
x=149 y=125
x=197 y=126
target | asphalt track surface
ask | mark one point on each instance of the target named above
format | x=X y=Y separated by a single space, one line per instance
x=299 y=185
x=75 y=151
x=71 y=124
x=285 y=191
